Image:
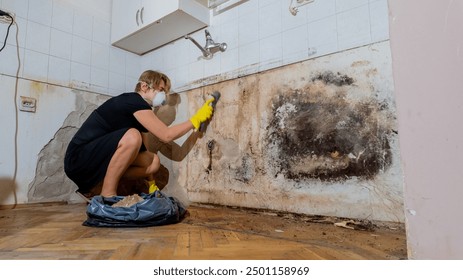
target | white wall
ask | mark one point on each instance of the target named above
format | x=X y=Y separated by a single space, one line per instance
x=263 y=34
x=56 y=49
x=66 y=43
x=427 y=59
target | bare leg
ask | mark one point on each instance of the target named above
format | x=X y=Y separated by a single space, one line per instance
x=144 y=166
x=126 y=153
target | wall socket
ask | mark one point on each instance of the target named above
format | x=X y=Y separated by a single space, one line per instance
x=27 y=104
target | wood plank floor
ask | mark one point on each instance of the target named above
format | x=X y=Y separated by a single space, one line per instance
x=55 y=232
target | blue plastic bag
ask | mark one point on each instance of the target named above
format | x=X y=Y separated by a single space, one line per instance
x=156 y=209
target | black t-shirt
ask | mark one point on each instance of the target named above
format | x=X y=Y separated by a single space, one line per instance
x=114 y=114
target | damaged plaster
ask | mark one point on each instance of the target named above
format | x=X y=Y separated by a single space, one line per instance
x=316 y=137
x=50 y=182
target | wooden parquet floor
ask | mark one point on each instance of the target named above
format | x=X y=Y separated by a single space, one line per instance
x=55 y=232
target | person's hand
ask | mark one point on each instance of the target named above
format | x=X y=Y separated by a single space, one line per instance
x=203 y=114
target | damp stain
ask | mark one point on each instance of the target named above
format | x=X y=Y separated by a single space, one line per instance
x=317 y=132
x=245 y=171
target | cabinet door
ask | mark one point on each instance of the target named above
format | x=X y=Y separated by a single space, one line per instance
x=125 y=18
x=154 y=10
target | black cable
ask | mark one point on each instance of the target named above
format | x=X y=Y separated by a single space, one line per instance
x=2 y=13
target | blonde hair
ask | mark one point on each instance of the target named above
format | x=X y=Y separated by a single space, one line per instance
x=153 y=79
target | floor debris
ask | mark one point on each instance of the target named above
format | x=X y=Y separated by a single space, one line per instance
x=128 y=201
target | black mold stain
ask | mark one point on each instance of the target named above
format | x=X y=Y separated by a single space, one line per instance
x=312 y=135
x=329 y=77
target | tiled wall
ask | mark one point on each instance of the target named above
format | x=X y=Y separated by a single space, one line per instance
x=263 y=34
x=69 y=45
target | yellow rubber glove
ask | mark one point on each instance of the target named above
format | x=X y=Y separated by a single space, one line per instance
x=152 y=186
x=203 y=114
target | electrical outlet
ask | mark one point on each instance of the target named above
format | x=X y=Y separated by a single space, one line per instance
x=27 y=104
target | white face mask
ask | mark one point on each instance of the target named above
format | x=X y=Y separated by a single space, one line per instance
x=159 y=99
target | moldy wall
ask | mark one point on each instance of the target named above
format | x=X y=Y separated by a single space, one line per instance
x=315 y=137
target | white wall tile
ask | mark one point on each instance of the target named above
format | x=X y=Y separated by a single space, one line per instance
x=61 y=44
x=250 y=7
x=80 y=74
x=157 y=60
x=147 y=62
x=353 y=27
x=59 y=71
x=179 y=76
x=63 y=16
x=9 y=60
x=321 y=9
x=344 y=5
x=229 y=60
x=116 y=81
x=295 y=43
x=83 y=25
x=101 y=31
x=271 y=48
x=99 y=78
x=100 y=56
x=263 y=3
x=132 y=66
x=165 y=60
x=38 y=37
x=225 y=14
x=249 y=54
x=40 y=11
x=229 y=34
x=323 y=36
x=130 y=83
x=379 y=18
x=51 y=34
x=270 y=20
x=196 y=70
x=248 y=29
x=81 y=50
x=35 y=65
x=19 y=7
x=180 y=55
x=212 y=66
x=117 y=60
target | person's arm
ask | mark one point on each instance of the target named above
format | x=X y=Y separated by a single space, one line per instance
x=153 y=124
x=166 y=134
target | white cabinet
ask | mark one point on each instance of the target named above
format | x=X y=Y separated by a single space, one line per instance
x=140 y=26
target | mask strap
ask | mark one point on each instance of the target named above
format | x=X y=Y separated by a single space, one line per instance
x=141 y=83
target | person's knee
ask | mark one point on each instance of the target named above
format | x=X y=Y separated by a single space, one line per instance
x=154 y=166
x=132 y=138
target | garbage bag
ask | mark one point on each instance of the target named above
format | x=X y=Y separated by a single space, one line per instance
x=154 y=210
